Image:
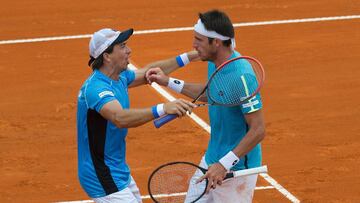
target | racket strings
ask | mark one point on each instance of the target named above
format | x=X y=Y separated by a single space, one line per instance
x=236 y=82
x=170 y=183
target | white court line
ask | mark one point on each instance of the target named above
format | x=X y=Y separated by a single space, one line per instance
x=160 y=195
x=280 y=188
x=303 y=20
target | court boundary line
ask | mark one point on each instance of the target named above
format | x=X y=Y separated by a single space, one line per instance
x=273 y=22
x=148 y=196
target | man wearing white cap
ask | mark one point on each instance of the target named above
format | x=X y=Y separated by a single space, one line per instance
x=103 y=116
x=235 y=131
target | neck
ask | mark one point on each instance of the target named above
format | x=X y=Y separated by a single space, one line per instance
x=222 y=55
x=110 y=71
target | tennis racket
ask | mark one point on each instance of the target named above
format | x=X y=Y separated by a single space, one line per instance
x=233 y=83
x=170 y=182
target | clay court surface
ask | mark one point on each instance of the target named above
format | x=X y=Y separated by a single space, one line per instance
x=311 y=95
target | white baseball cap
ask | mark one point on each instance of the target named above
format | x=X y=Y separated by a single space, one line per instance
x=104 y=38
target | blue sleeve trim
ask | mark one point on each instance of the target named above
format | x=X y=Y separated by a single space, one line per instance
x=154 y=111
x=252 y=105
x=103 y=102
x=131 y=77
x=179 y=61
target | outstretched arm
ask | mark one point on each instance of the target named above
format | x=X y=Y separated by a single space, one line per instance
x=191 y=90
x=166 y=65
x=128 y=118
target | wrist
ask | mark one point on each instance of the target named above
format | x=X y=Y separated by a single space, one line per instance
x=229 y=160
x=182 y=60
x=176 y=84
x=158 y=110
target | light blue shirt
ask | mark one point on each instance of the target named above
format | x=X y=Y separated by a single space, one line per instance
x=228 y=127
x=102 y=168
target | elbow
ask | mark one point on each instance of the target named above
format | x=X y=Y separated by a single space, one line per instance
x=120 y=121
x=261 y=133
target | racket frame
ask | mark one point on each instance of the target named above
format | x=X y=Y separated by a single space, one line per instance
x=169 y=117
x=229 y=175
x=203 y=170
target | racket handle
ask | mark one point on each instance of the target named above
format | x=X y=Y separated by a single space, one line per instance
x=246 y=172
x=163 y=120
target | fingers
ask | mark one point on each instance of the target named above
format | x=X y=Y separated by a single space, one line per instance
x=149 y=75
x=152 y=71
x=215 y=176
x=186 y=105
x=179 y=107
x=156 y=75
x=210 y=185
x=153 y=78
x=201 y=178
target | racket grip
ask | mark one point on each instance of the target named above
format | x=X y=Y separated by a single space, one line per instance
x=163 y=120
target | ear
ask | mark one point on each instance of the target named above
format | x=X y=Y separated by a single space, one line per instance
x=218 y=42
x=106 y=57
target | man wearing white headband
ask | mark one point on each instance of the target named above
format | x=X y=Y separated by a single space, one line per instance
x=104 y=114
x=235 y=131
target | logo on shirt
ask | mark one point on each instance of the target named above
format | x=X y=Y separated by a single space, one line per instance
x=235 y=162
x=250 y=104
x=104 y=93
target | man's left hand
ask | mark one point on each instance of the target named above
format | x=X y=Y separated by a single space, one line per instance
x=215 y=175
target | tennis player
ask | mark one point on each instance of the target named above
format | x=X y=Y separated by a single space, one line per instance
x=236 y=132
x=103 y=116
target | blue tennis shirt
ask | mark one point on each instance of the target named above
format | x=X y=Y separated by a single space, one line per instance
x=102 y=168
x=228 y=127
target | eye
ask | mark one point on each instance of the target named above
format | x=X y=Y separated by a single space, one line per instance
x=123 y=45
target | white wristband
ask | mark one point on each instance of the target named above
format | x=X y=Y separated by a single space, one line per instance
x=176 y=84
x=160 y=109
x=184 y=57
x=229 y=160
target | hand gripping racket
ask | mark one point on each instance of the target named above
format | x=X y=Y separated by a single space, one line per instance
x=170 y=182
x=233 y=83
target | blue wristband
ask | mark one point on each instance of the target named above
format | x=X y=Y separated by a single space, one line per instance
x=154 y=111
x=179 y=61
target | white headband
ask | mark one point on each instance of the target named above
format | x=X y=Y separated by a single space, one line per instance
x=200 y=28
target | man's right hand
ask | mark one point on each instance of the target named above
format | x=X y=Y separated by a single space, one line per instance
x=179 y=107
x=157 y=75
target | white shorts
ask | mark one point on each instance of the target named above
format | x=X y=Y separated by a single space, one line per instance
x=239 y=189
x=130 y=194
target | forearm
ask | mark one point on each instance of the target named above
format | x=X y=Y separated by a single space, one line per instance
x=130 y=118
x=253 y=137
x=167 y=66
x=193 y=90
x=170 y=65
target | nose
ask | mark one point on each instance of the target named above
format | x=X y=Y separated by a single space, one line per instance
x=195 y=46
x=128 y=50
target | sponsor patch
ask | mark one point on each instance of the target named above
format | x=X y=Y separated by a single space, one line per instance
x=104 y=93
x=250 y=104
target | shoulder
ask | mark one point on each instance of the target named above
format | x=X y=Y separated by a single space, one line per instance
x=128 y=75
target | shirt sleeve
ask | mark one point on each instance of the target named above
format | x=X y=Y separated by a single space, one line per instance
x=97 y=96
x=255 y=102
x=252 y=105
x=129 y=75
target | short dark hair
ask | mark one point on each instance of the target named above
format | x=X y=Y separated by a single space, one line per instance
x=99 y=61
x=219 y=22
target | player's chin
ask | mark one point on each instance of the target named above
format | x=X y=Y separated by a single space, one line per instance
x=204 y=58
